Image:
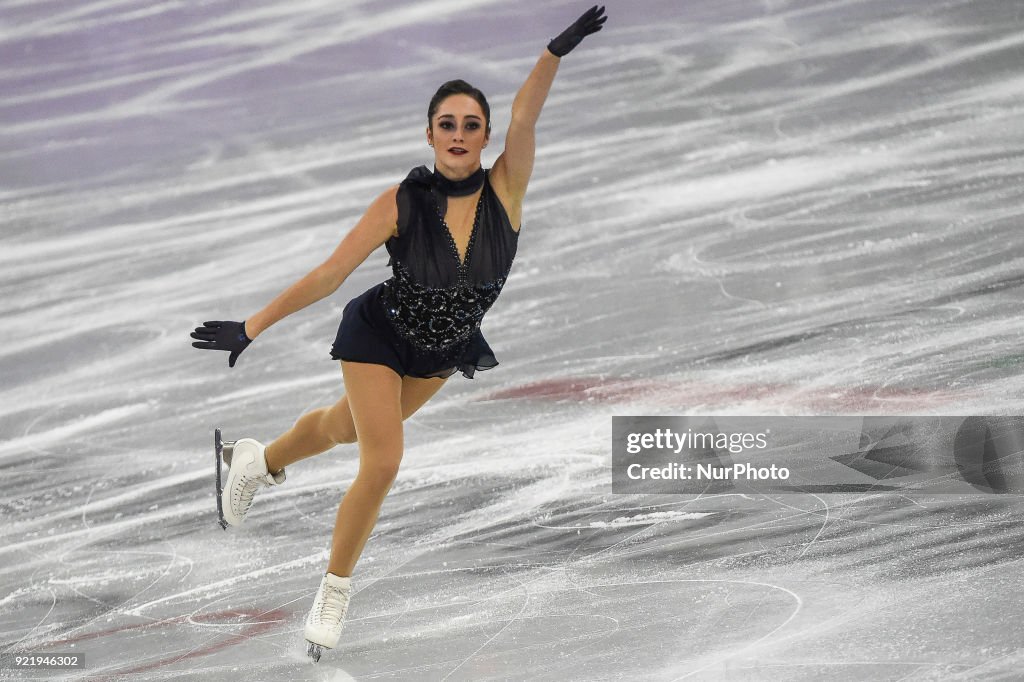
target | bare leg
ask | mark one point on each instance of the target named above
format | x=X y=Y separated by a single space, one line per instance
x=379 y=401
x=323 y=428
x=313 y=433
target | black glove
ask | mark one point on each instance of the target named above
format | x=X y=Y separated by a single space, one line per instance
x=590 y=22
x=219 y=335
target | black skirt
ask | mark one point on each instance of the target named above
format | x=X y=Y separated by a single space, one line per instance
x=366 y=335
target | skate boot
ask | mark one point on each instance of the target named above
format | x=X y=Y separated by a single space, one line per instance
x=326 y=618
x=247 y=475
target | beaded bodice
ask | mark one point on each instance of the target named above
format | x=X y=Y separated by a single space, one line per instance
x=436 y=318
x=435 y=300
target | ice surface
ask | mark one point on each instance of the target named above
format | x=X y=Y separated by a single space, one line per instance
x=737 y=208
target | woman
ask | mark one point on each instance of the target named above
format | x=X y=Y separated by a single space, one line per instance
x=452 y=235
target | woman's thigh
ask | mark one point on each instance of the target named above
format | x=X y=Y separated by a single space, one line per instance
x=414 y=393
x=374 y=395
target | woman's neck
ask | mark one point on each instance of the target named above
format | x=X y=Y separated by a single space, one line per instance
x=453 y=174
x=457 y=187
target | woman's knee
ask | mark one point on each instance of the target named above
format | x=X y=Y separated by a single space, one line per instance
x=380 y=473
x=337 y=424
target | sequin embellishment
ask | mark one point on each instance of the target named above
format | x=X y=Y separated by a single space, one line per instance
x=436 y=318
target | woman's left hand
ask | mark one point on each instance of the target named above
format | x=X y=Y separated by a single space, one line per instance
x=591 y=22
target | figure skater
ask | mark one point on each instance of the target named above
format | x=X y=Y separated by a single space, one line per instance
x=451 y=234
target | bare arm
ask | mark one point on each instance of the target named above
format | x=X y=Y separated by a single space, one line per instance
x=512 y=169
x=373 y=229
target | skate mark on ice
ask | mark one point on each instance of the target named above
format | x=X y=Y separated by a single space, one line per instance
x=821 y=529
x=640 y=519
x=77 y=580
x=263 y=638
x=311 y=559
x=53 y=596
x=119 y=499
x=757 y=642
x=490 y=639
x=69 y=432
x=173 y=559
x=252 y=629
x=854 y=504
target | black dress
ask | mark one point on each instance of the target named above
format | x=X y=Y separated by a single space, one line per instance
x=425 y=320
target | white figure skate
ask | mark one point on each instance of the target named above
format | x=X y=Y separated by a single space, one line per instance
x=247 y=475
x=327 y=617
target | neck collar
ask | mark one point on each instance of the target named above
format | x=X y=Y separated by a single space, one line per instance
x=458 y=188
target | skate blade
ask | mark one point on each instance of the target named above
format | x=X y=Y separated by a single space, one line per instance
x=314 y=651
x=222 y=450
x=218 y=450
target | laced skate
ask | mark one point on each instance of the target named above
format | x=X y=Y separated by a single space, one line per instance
x=327 y=616
x=247 y=475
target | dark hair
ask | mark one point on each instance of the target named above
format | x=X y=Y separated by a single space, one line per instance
x=458 y=87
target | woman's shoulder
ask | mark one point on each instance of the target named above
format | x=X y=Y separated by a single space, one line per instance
x=384 y=210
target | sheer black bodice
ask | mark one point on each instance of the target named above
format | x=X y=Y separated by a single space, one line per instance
x=432 y=300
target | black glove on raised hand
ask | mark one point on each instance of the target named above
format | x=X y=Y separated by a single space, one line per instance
x=590 y=22
x=218 y=335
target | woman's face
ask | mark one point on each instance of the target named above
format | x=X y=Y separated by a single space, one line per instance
x=458 y=133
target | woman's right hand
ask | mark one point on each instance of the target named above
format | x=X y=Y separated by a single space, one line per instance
x=222 y=335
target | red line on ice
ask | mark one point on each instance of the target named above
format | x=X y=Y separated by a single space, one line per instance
x=683 y=394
